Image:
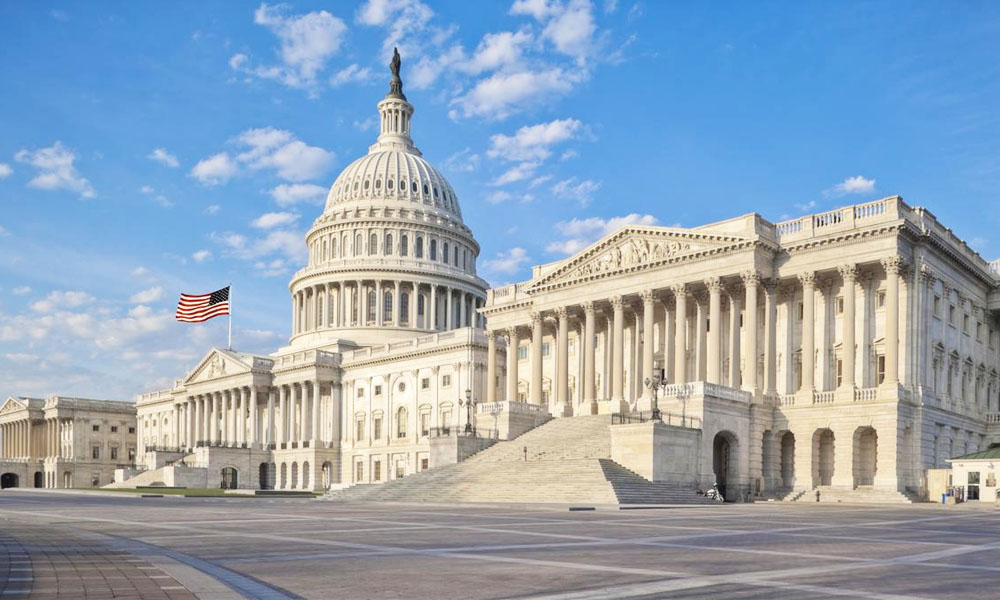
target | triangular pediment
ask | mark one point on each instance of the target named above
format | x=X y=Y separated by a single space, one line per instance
x=11 y=405
x=636 y=247
x=216 y=365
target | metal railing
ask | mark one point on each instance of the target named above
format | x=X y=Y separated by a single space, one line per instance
x=645 y=416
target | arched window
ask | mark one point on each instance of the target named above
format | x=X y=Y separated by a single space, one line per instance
x=387 y=307
x=403 y=239
x=418 y=247
x=372 y=244
x=420 y=305
x=465 y=259
x=435 y=193
x=358 y=242
x=434 y=250
x=387 y=247
x=404 y=307
x=378 y=184
x=388 y=184
x=425 y=189
x=371 y=305
x=325 y=256
x=444 y=255
x=366 y=187
x=455 y=257
x=413 y=187
x=401 y=422
x=333 y=248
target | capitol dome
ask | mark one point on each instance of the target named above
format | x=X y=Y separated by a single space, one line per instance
x=390 y=256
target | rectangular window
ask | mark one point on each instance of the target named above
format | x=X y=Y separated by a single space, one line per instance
x=359 y=471
x=880 y=368
x=424 y=464
x=361 y=392
x=522 y=353
x=131 y=429
x=979 y=331
x=840 y=305
x=378 y=390
x=377 y=470
x=377 y=429
x=114 y=429
x=131 y=454
x=840 y=372
x=359 y=431
x=546 y=347
x=114 y=453
x=880 y=299
x=96 y=427
x=445 y=380
x=801 y=311
x=95 y=453
x=937 y=306
x=425 y=383
x=425 y=424
x=951 y=314
x=445 y=419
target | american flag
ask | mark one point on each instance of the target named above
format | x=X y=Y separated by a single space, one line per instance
x=199 y=308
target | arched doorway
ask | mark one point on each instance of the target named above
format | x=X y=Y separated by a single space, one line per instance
x=327 y=474
x=823 y=444
x=67 y=479
x=865 y=455
x=9 y=480
x=230 y=478
x=295 y=476
x=787 y=460
x=305 y=475
x=39 y=479
x=284 y=476
x=724 y=464
x=264 y=476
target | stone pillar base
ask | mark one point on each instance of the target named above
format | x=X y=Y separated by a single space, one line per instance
x=562 y=410
x=609 y=407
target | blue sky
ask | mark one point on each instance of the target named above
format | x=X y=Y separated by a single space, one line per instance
x=152 y=148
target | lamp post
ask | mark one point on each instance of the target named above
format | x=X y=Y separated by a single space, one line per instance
x=656 y=383
x=468 y=410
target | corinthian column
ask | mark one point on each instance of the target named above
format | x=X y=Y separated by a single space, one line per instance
x=714 y=368
x=491 y=366
x=808 y=281
x=562 y=364
x=536 y=358
x=589 y=396
x=751 y=280
x=512 y=344
x=849 y=274
x=618 y=353
x=892 y=266
x=648 y=318
x=680 y=333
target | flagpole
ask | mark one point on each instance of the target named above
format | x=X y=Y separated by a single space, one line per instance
x=230 y=316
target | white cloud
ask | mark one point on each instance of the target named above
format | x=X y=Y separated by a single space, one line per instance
x=533 y=142
x=365 y=124
x=497 y=50
x=352 y=74
x=278 y=149
x=56 y=170
x=504 y=93
x=20 y=357
x=215 y=170
x=146 y=296
x=21 y=290
x=61 y=300
x=285 y=243
x=274 y=219
x=147 y=189
x=852 y=185
x=5 y=171
x=807 y=206
x=140 y=271
x=516 y=173
x=307 y=42
x=201 y=256
x=539 y=9
x=580 y=233
x=211 y=209
x=163 y=157
x=507 y=263
x=400 y=17
x=572 y=30
x=580 y=191
x=498 y=196
x=464 y=160
x=295 y=193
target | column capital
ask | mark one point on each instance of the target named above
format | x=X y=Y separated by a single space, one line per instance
x=848 y=272
x=536 y=318
x=668 y=302
x=511 y=334
x=491 y=334
x=646 y=295
x=714 y=285
x=750 y=277
x=588 y=307
x=562 y=313
x=770 y=285
x=616 y=302
x=807 y=279
x=927 y=274
x=892 y=264
x=679 y=289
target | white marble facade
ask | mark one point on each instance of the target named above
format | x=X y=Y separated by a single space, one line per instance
x=860 y=345
x=385 y=341
x=60 y=442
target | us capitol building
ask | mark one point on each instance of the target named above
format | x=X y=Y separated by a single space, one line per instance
x=846 y=352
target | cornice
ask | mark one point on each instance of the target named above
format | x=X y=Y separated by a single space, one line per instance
x=381 y=360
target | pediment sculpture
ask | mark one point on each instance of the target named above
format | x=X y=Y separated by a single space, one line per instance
x=633 y=252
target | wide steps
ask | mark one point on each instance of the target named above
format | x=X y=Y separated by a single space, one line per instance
x=865 y=495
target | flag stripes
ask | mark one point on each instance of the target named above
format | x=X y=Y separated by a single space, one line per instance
x=196 y=308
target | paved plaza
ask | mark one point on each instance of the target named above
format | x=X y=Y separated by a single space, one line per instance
x=89 y=546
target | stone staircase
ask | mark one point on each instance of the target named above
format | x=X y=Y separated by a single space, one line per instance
x=152 y=477
x=862 y=494
x=568 y=462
